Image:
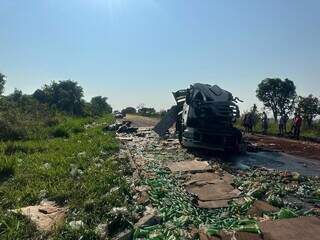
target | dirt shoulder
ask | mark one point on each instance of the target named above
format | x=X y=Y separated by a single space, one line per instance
x=289 y=146
x=140 y=121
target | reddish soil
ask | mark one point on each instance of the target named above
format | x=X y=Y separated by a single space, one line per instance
x=289 y=146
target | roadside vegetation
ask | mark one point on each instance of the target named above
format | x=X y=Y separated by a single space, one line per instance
x=55 y=149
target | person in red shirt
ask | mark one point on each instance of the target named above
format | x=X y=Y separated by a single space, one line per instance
x=297 y=124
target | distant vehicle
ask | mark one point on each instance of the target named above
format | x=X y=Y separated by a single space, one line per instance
x=118 y=114
x=204 y=117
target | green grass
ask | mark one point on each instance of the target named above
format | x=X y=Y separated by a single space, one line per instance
x=76 y=170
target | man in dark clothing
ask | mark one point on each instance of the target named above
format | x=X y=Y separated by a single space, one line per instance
x=264 y=123
x=286 y=118
x=250 y=122
x=297 y=126
x=245 y=123
x=281 y=125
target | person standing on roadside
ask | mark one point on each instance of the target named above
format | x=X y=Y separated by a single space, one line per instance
x=286 y=118
x=281 y=125
x=251 y=122
x=297 y=126
x=293 y=125
x=245 y=123
x=264 y=123
x=248 y=122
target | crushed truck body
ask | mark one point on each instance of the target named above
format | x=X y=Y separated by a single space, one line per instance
x=204 y=117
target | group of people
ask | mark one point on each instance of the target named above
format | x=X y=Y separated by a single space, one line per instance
x=296 y=125
x=248 y=123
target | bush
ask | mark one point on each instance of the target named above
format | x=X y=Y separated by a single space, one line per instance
x=12 y=149
x=11 y=131
x=7 y=168
x=52 y=122
x=129 y=110
x=16 y=147
x=77 y=129
x=25 y=120
x=60 y=132
x=99 y=106
x=148 y=112
x=66 y=96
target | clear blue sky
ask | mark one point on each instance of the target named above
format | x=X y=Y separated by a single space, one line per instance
x=138 y=51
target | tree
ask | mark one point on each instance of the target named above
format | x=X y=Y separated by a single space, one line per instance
x=16 y=96
x=64 y=95
x=140 y=105
x=309 y=108
x=2 y=82
x=147 y=111
x=277 y=95
x=100 y=106
x=41 y=96
x=129 y=110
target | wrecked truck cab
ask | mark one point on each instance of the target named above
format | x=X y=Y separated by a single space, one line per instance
x=208 y=114
x=205 y=116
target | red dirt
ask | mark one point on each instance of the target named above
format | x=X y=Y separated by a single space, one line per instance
x=294 y=147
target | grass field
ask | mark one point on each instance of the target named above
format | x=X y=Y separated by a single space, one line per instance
x=73 y=164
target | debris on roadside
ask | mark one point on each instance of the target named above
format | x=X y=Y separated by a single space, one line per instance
x=124 y=235
x=76 y=225
x=123 y=127
x=150 y=217
x=125 y=138
x=212 y=190
x=142 y=196
x=189 y=166
x=259 y=208
x=46 y=216
x=294 y=228
x=102 y=230
x=119 y=211
x=112 y=127
x=280 y=188
x=198 y=199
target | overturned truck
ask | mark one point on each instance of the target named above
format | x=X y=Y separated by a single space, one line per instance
x=204 y=117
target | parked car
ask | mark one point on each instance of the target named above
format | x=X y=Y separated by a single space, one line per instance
x=118 y=114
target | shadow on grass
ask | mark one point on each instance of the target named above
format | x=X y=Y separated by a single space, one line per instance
x=6 y=173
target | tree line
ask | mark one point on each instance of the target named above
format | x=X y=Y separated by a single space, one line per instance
x=141 y=109
x=280 y=97
x=26 y=116
x=277 y=95
x=65 y=96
